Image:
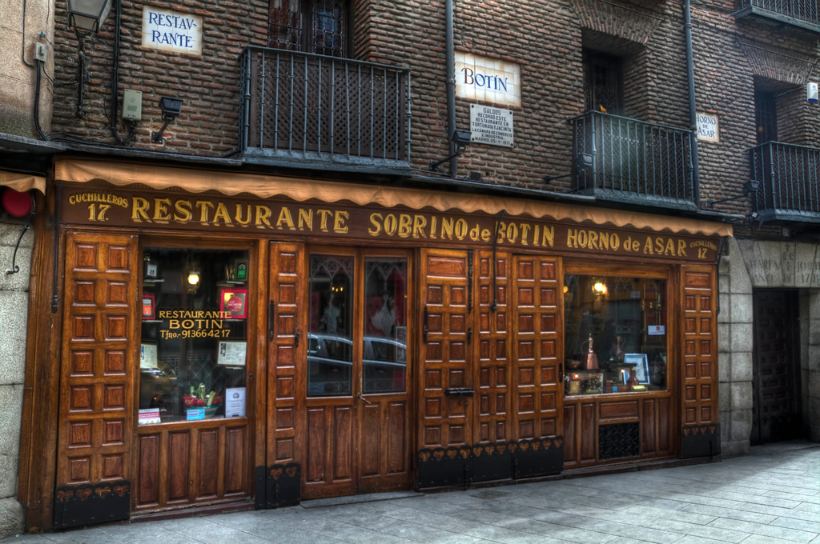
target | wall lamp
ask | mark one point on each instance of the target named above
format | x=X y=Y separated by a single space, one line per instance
x=171 y=108
x=462 y=139
x=85 y=17
x=749 y=188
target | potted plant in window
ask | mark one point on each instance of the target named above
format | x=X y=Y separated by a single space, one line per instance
x=200 y=397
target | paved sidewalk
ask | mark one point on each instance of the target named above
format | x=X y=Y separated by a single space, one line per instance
x=769 y=497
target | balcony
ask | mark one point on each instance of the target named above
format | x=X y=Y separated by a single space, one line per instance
x=629 y=161
x=798 y=13
x=789 y=182
x=315 y=111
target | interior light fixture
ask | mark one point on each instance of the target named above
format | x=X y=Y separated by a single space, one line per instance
x=600 y=289
x=193 y=278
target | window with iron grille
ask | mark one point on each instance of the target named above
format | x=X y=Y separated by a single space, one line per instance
x=312 y=26
x=603 y=82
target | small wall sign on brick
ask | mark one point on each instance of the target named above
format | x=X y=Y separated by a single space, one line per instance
x=708 y=127
x=171 y=31
x=492 y=81
x=491 y=126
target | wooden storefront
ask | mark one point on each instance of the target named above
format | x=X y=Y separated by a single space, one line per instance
x=379 y=339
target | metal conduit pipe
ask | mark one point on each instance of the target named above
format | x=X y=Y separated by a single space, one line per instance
x=693 y=114
x=451 y=86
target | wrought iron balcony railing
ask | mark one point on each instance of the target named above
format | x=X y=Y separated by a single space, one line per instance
x=800 y=13
x=314 y=109
x=788 y=179
x=625 y=160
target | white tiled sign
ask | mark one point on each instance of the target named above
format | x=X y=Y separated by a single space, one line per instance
x=171 y=31
x=492 y=81
x=492 y=126
x=708 y=127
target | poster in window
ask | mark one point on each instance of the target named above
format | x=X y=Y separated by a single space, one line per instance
x=235 y=402
x=231 y=353
x=149 y=306
x=148 y=356
x=234 y=300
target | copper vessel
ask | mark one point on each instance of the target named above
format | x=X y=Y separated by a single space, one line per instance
x=592 y=359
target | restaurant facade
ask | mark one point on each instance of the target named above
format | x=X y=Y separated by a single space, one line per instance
x=224 y=340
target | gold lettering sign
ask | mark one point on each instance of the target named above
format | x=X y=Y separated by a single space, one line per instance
x=193 y=324
x=373 y=223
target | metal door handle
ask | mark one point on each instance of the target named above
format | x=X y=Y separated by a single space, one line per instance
x=296 y=336
x=364 y=399
x=271 y=317
x=426 y=328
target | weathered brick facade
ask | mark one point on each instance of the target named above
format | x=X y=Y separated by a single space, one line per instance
x=545 y=37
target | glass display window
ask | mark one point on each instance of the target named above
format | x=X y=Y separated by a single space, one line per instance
x=193 y=350
x=615 y=334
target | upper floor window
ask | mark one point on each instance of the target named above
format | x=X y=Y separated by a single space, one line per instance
x=603 y=82
x=765 y=115
x=312 y=26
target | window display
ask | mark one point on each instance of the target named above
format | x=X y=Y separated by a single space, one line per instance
x=615 y=334
x=194 y=334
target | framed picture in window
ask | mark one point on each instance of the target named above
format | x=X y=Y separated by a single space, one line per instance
x=149 y=306
x=640 y=365
x=234 y=301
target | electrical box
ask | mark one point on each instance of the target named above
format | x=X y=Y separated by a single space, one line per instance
x=41 y=52
x=132 y=105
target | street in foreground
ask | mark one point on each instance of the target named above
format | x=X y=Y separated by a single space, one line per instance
x=769 y=497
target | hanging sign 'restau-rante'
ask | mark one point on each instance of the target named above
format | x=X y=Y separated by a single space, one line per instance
x=103 y=207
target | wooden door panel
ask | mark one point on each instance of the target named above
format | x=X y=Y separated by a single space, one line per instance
x=699 y=373
x=287 y=273
x=537 y=346
x=180 y=463
x=492 y=377
x=97 y=377
x=329 y=466
x=444 y=355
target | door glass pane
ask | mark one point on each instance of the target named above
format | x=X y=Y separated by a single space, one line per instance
x=330 y=341
x=385 y=325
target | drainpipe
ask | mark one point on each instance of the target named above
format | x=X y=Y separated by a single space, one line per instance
x=451 y=86
x=693 y=114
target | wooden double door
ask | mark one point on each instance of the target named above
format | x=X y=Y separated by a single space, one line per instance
x=345 y=402
x=490 y=348
x=340 y=355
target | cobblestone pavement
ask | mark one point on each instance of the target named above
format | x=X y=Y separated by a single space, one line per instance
x=769 y=497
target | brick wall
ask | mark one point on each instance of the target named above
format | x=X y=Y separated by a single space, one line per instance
x=729 y=56
x=545 y=37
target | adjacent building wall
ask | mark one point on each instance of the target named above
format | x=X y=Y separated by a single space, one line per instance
x=17 y=92
x=13 y=305
x=750 y=265
x=17 y=67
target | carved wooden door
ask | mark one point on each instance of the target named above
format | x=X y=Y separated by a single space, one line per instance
x=536 y=374
x=445 y=391
x=349 y=338
x=776 y=367
x=97 y=379
x=700 y=434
